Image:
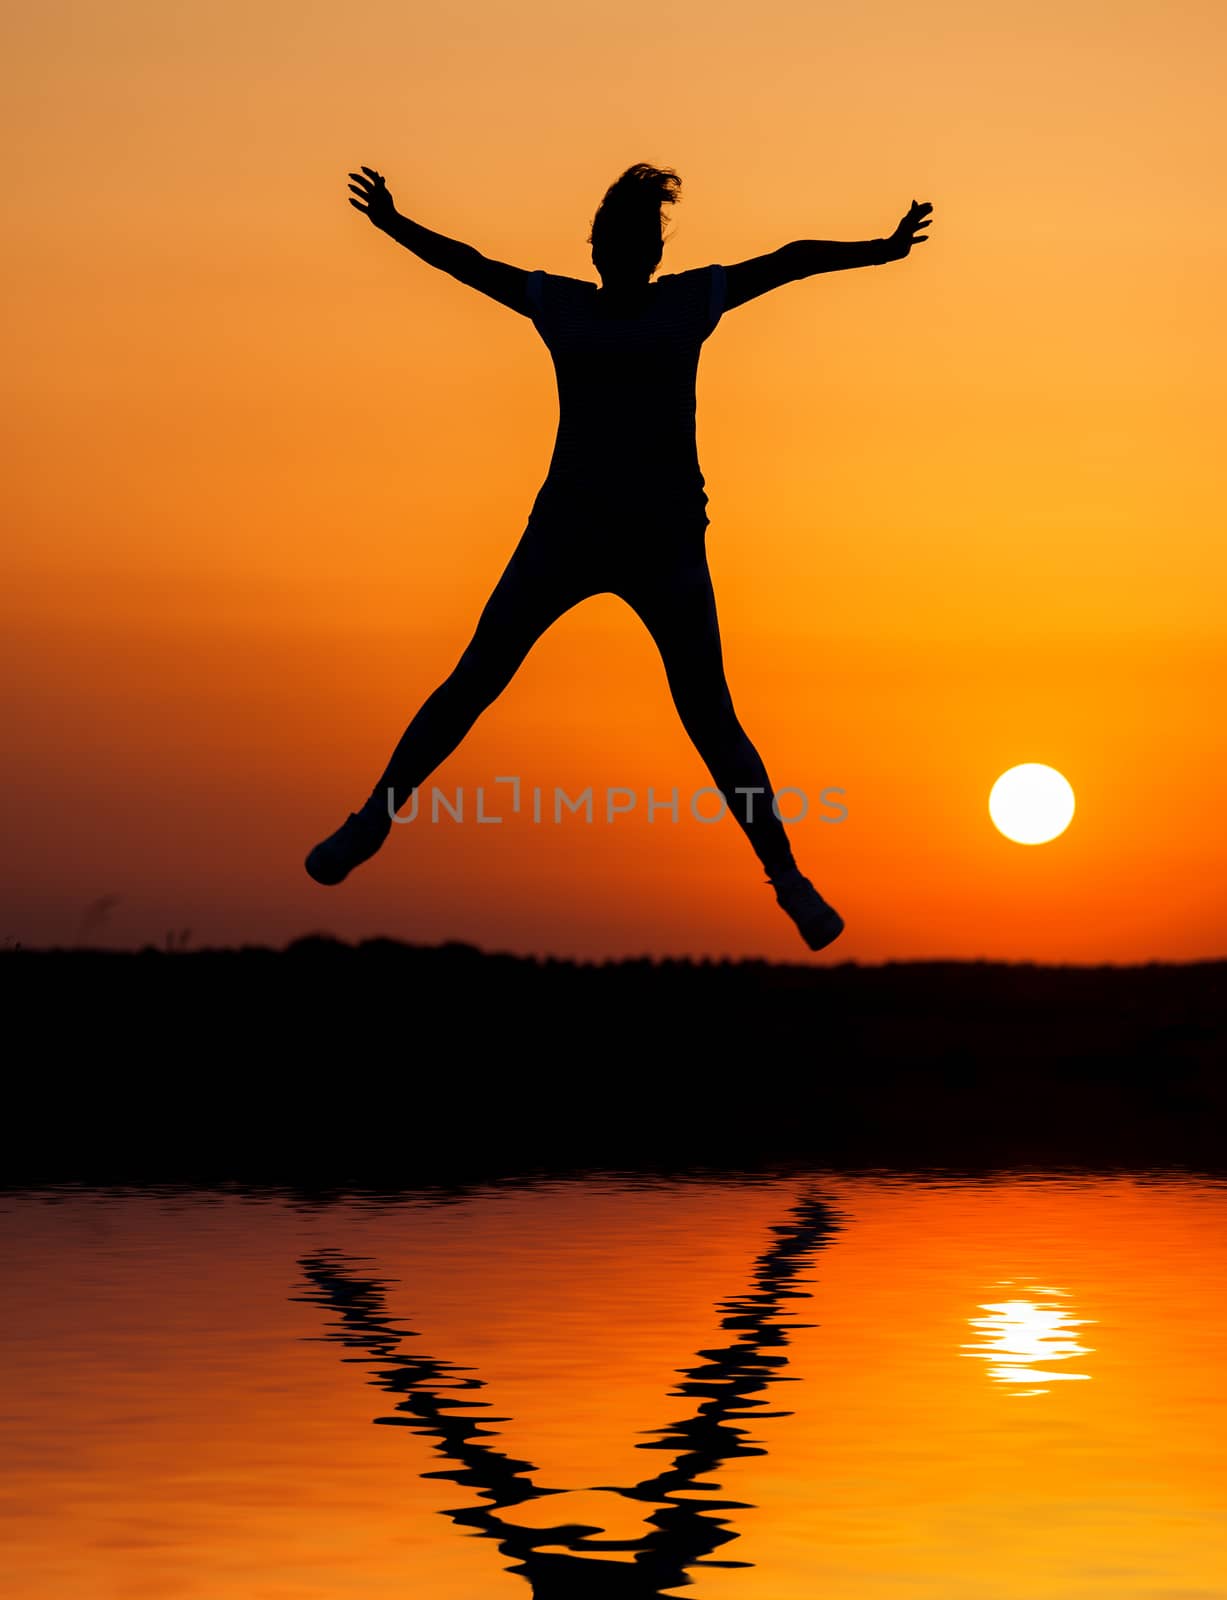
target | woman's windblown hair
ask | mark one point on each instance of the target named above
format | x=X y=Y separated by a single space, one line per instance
x=628 y=228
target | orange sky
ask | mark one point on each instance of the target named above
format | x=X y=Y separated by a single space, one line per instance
x=263 y=467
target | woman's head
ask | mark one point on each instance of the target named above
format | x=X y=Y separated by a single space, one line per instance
x=627 y=235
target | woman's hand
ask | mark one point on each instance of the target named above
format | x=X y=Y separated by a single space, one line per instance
x=920 y=215
x=374 y=199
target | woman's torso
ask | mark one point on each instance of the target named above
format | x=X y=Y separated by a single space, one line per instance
x=625 y=445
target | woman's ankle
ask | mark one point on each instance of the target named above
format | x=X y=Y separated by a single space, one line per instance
x=377 y=809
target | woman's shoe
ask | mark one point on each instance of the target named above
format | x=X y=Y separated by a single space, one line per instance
x=355 y=841
x=818 y=923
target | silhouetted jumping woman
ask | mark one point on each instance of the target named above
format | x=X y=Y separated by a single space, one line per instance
x=623 y=509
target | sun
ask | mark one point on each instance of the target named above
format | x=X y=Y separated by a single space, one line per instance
x=1031 y=804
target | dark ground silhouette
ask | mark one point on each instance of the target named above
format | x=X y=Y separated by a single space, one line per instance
x=381 y=1064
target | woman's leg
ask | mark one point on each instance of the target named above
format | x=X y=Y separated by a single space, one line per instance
x=540 y=582
x=678 y=606
x=542 y=579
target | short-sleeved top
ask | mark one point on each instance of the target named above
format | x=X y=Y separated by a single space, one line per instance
x=626 y=397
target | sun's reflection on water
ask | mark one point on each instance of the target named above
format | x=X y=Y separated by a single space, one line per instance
x=1021 y=1336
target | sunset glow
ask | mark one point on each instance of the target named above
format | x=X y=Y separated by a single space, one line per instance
x=1031 y=804
x=263 y=468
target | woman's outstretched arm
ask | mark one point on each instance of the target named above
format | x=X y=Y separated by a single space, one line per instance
x=805 y=257
x=507 y=285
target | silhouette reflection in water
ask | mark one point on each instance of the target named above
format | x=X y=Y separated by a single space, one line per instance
x=568 y=1560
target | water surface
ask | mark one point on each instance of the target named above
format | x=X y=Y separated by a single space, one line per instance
x=827 y=1385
